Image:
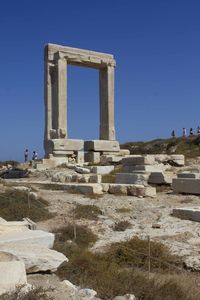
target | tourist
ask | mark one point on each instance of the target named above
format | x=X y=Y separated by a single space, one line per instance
x=173 y=134
x=191 y=131
x=184 y=132
x=35 y=155
x=198 y=130
x=26 y=155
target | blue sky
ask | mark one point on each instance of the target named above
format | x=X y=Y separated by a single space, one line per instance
x=157 y=48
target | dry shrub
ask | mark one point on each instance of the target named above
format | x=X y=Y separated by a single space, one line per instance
x=84 y=237
x=33 y=294
x=14 y=207
x=122 y=226
x=90 y=212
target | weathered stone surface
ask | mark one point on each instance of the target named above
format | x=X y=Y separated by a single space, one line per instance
x=178 y=159
x=64 y=145
x=80 y=157
x=62 y=176
x=188 y=175
x=92 y=157
x=141 y=191
x=86 y=294
x=159 y=178
x=131 y=178
x=124 y=152
x=102 y=169
x=90 y=189
x=186 y=185
x=145 y=168
x=25 y=237
x=119 y=189
x=82 y=170
x=188 y=213
x=102 y=145
x=70 y=286
x=105 y=187
x=97 y=178
x=110 y=159
x=12 y=272
x=138 y=160
x=35 y=257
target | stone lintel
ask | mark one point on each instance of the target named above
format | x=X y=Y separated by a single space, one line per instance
x=76 y=56
x=102 y=145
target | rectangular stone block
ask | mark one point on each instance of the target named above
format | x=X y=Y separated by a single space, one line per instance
x=102 y=169
x=92 y=157
x=124 y=152
x=159 y=178
x=102 y=145
x=145 y=168
x=131 y=178
x=187 y=213
x=119 y=189
x=186 y=186
x=188 y=175
x=138 y=160
x=96 y=178
x=64 y=145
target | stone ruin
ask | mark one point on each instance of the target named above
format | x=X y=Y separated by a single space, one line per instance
x=58 y=147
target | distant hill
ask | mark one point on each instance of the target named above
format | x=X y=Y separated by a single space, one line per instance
x=189 y=146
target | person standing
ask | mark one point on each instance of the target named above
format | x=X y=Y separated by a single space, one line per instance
x=26 y=155
x=35 y=155
x=184 y=132
x=173 y=134
x=191 y=131
x=198 y=130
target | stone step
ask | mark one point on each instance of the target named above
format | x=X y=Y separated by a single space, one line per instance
x=186 y=185
x=146 y=168
x=131 y=178
x=132 y=190
x=188 y=175
x=138 y=160
x=187 y=213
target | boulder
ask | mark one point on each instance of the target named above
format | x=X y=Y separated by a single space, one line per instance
x=13 y=273
x=35 y=257
x=87 y=294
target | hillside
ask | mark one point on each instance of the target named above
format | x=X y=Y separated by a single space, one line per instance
x=189 y=146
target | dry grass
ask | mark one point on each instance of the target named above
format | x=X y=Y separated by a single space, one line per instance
x=14 y=206
x=123 y=210
x=33 y=294
x=122 y=226
x=90 y=212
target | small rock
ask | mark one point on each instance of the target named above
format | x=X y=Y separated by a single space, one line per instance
x=87 y=294
x=82 y=170
x=156 y=225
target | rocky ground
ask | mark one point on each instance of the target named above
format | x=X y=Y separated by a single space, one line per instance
x=148 y=217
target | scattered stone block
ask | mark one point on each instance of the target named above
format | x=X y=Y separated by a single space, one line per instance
x=13 y=273
x=138 y=160
x=141 y=191
x=131 y=178
x=187 y=213
x=102 y=169
x=102 y=145
x=119 y=189
x=90 y=189
x=35 y=257
x=186 y=185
